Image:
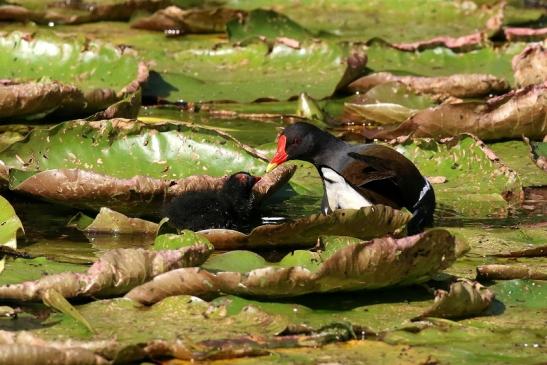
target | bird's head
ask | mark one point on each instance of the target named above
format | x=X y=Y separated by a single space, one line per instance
x=296 y=142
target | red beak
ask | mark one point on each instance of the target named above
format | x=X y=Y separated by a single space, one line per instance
x=280 y=154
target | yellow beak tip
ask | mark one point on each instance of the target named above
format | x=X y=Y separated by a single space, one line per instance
x=271 y=166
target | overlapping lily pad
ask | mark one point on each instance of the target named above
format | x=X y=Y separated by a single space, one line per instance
x=518 y=113
x=52 y=12
x=370 y=265
x=443 y=61
x=125 y=148
x=114 y=274
x=68 y=77
x=358 y=20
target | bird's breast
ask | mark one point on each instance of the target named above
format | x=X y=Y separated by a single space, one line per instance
x=339 y=194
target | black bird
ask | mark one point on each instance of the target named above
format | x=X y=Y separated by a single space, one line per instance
x=356 y=176
x=230 y=207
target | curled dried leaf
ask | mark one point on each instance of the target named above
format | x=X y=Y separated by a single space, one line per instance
x=463 y=299
x=509 y=272
x=369 y=265
x=115 y=273
x=459 y=85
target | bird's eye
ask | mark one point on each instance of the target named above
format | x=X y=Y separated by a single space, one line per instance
x=296 y=140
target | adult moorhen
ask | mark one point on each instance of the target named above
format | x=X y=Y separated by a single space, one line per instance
x=229 y=207
x=356 y=176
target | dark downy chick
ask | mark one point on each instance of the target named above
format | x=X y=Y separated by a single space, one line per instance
x=229 y=207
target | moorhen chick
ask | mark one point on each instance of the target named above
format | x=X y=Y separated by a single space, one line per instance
x=230 y=207
x=356 y=176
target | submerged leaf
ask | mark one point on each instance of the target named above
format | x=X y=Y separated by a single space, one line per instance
x=464 y=298
x=364 y=223
x=115 y=273
x=376 y=264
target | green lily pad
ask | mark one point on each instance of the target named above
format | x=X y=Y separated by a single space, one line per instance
x=20 y=270
x=475 y=184
x=265 y=23
x=126 y=148
x=516 y=155
x=175 y=241
x=68 y=77
x=206 y=68
x=394 y=21
x=184 y=320
x=10 y=224
x=443 y=61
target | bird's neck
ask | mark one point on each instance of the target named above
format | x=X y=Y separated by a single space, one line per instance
x=329 y=151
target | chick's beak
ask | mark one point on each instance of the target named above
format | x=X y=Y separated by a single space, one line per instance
x=280 y=154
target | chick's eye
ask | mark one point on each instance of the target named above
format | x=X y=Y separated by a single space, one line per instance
x=296 y=140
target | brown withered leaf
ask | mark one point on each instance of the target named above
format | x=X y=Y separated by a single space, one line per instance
x=509 y=272
x=512 y=115
x=540 y=251
x=140 y=194
x=461 y=44
x=520 y=34
x=38 y=99
x=77 y=12
x=22 y=347
x=459 y=85
x=364 y=223
x=20 y=99
x=530 y=66
x=189 y=21
x=379 y=263
x=115 y=273
x=464 y=298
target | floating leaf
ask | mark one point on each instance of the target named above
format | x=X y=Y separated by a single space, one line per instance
x=115 y=273
x=185 y=238
x=89 y=75
x=364 y=223
x=10 y=224
x=443 y=61
x=180 y=21
x=267 y=24
x=520 y=112
x=125 y=148
x=530 y=66
x=459 y=85
x=112 y=222
x=139 y=195
x=508 y=272
x=51 y=11
x=464 y=298
x=380 y=263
